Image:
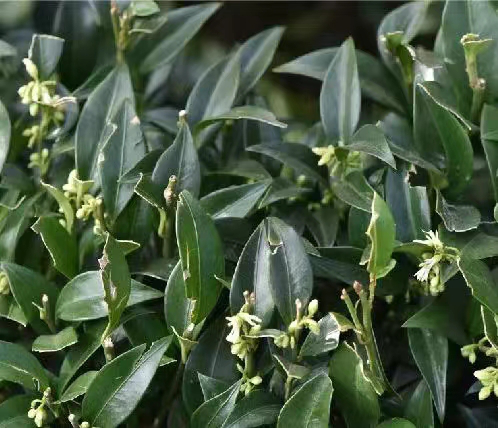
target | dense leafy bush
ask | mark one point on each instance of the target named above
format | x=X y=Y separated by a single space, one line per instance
x=172 y=254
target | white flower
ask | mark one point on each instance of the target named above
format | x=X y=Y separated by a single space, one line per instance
x=426 y=266
x=432 y=240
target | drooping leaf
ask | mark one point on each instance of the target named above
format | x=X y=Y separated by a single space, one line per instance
x=55 y=342
x=60 y=244
x=355 y=395
x=291 y=275
x=123 y=380
x=457 y=218
x=382 y=233
x=340 y=97
x=234 y=201
x=82 y=298
x=93 y=131
x=201 y=255
x=124 y=149
x=430 y=352
x=19 y=366
x=213 y=413
x=309 y=406
x=325 y=341
x=252 y=274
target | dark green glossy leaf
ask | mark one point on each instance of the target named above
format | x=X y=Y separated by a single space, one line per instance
x=291 y=275
x=371 y=140
x=144 y=8
x=489 y=140
x=60 y=244
x=355 y=395
x=323 y=225
x=78 y=387
x=93 y=131
x=13 y=412
x=419 y=406
x=19 y=366
x=211 y=387
x=256 y=409
x=342 y=263
x=213 y=413
x=234 y=201
x=177 y=307
x=45 y=51
x=123 y=380
x=340 y=98
x=457 y=218
x=5 y=130
x=201 y=255
x=482 y=246
x=296 y=156
x=82 y=298
x=55 y=342
x=309 y=406
x=480 y=281
x=182 y=24
x=63 y=202
x=326 y=341
x=253 y=274
x=11 y=310
x=430 y=352
x=120 y=154
x=22 y=281
x=396 y=423
x=355 y=190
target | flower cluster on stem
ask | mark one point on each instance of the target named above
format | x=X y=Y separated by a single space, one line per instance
x=38 y=411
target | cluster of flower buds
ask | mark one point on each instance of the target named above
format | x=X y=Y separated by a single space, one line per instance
x=338 y=163
x=489 y=380
x=244 y=325
x=469 y=352
x=38 y=412
x=73 y=419
x=4 y=284
x=299 y=323
x=429 y=273
x=40 y=160
x=248 y=383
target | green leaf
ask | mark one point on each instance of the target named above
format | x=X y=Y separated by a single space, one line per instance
x=210 y=357
x=419 y=406
x=489 y=140
x=339 y=263
x=409 y=206
x=213 y=413
x=252 y=274
x=211 y=387
x=430 y=352
x=45 y=51
x=22 y=282
x=11 y=310
x=78 y=387
x=326 y=341
x=256 y=55
x=179 y=159
x=480 y=281
x=396 y=423
x=63 y=202
x=201 y=255
x=323 y=225
x=55 y=342
x=19 y=366
x=82 y=298
x=382 y=233
x=296 y=156
x=490 y=326
x=281 y=189
x=340 y=98
x=482 y=246
x=457 y=218
x=242 y=112
x=355 y=395
x=256 y=409
x=215 y=91
x=87 y=345
x=60 y=244
x=291 y=275
x=123 y=380
x=177 y=307
x=309 y=406
x=119 y=155
x=181 y=26
x=13 y=412
x=455 y=141
x=93 y=129
x=370 y=139
x=5 y=131
x=246 y=168
x=116 y=280
x=144 y=8
x=355 y=190
x=234 y=201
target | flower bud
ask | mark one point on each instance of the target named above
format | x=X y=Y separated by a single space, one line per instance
x=484 y=392
x=31 y=68
x=313 y=307
x=31 y=413
x=85 y=424
x=40 y=417
x=293 y=326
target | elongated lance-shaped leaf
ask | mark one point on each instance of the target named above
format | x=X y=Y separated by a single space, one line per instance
x=124 y=149
x=382 y=233
x=116 y=281
x=340 y=97
x=93 y=131
x=201 y=255
x=45 y=51
x=64 y=204
x=5 y=130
